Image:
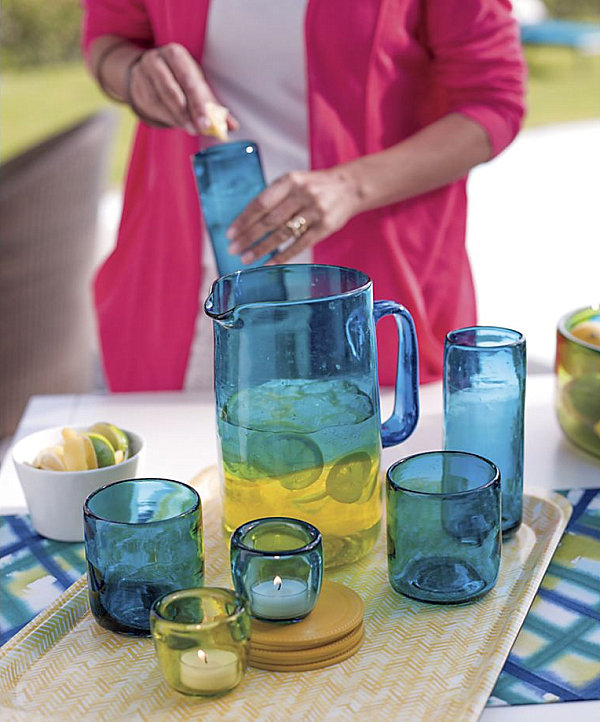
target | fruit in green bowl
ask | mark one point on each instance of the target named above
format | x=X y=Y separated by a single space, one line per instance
x=578 y=377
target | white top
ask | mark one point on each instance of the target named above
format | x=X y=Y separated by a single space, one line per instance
x=254 y=60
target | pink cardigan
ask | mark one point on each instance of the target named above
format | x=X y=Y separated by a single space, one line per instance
x=377 y=73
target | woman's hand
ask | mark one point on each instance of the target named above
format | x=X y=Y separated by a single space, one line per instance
x=302 y=208
x=167 y=85
x=297 y=211
x=164 y=85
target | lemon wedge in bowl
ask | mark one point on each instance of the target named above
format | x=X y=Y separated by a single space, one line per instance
x=51 y=459
x=79 y=454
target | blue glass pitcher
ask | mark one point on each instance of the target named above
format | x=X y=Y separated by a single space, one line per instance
x=297 y=399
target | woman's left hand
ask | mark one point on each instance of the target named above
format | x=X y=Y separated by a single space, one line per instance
x=296 y=211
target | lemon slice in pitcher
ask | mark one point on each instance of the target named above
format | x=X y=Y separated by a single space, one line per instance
x=348 y=476
x=293 y=459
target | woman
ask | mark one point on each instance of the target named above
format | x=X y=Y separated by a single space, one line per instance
x=403 y=98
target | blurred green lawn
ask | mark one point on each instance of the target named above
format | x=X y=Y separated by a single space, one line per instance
x=563 y=86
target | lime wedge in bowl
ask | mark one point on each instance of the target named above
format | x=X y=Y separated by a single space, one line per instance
x=117 y=438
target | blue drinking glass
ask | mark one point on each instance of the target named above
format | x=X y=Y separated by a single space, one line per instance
x=228 y=177
x=484 y=403
x=143 y=539
x=277 y=567
x=443 y=526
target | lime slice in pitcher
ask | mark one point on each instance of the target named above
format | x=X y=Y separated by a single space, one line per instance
x=348 y=476
x=294 y=460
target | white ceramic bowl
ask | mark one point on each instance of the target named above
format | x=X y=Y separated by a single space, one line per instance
x=55 y=498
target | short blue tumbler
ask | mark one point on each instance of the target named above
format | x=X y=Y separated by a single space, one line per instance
x=228 y=176
x=484 y=400
x=443 y=522
x=143 y=539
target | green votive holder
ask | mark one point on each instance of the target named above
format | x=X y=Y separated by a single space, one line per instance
x=201 y=638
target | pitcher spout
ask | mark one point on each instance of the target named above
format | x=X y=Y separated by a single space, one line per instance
x=221 y=303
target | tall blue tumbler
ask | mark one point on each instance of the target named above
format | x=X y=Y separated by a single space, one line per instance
x=228 y=177
x=484 y=398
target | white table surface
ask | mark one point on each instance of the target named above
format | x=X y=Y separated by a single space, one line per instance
x=179 y=430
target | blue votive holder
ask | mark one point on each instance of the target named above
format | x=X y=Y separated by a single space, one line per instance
x=143 y=539
x=277 y=567
x=444 y=526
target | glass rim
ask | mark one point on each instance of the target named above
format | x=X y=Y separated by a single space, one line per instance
x=442 y=494
x=245 y=528
x=513 y=338
x=363 y=285
x=89 y=513
x=562 y=326
x=224 y=147
x=160 y=604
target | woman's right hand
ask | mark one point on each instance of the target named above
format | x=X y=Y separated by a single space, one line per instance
x=166 y=84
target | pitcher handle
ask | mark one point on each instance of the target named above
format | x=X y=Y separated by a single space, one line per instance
x=405 y=415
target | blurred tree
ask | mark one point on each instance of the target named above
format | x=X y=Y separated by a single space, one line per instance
x=36 y=32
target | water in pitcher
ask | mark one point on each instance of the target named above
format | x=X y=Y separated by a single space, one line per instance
x=308 y=449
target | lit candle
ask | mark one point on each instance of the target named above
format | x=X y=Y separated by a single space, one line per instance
x=279 y=599
x=210 y=672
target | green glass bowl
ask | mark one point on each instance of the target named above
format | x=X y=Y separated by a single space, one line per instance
x=578 y=381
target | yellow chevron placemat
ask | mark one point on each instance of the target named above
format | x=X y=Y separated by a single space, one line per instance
x=417 y=661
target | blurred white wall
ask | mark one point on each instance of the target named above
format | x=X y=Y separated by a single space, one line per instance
x=533 y=232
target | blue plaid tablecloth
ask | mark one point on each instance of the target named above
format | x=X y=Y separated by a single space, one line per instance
x=556 y=656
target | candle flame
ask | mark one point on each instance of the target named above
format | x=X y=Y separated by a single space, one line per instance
x=277 y=582
x=202 y=656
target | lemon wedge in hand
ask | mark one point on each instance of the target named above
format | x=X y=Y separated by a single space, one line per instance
x=217 y=115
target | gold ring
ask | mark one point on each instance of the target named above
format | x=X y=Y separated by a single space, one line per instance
x=297 y=225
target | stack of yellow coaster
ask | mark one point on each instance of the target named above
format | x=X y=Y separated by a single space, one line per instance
x=332 y=632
